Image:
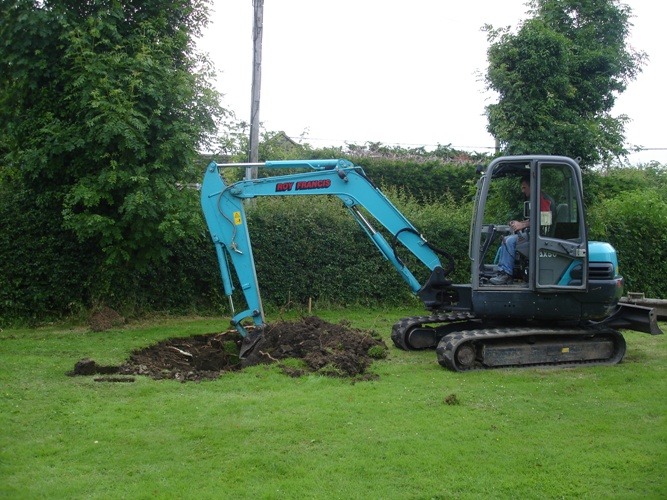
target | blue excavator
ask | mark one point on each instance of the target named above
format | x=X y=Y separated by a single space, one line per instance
x=559 y=307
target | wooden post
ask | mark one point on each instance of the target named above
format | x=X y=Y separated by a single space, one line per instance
x=258 y=26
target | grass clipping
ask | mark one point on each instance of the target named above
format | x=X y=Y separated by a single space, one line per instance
x=310 y=345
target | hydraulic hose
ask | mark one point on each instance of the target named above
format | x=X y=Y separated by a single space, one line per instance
x=439 y=251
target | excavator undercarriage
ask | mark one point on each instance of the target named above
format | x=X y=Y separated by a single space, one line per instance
x=515 y=347
x=463 y=342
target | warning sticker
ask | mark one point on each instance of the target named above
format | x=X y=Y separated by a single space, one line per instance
x=237 y=218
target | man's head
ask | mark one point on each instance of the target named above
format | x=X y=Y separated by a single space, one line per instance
x=525 y=185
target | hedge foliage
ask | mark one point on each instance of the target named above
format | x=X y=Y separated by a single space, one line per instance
x=47 y=274
x=44 y=272
x=635 y=223
x=425 y=181
x=311 y=248
x=305 y=248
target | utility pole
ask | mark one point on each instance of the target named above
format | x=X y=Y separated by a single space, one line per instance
x=258 y=26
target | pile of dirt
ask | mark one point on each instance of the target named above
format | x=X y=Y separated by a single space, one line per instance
x=334 y=350
x=104 y=319
x=310 y=345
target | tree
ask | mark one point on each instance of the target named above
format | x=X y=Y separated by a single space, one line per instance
x=558 y=78
x=103 y=106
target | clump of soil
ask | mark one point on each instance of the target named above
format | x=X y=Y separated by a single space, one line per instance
x=310 y=345
x=87 y=366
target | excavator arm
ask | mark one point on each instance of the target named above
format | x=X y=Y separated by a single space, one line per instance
x=223 y=207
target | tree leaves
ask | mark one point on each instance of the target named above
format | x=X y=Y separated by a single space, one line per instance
x=557 y=79
x=108 y=103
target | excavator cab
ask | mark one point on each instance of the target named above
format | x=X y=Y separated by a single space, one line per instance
x=550 y=256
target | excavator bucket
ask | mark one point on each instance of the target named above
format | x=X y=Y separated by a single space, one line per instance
x=250 y=341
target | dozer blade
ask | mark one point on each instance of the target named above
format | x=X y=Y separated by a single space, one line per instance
x=633 y=317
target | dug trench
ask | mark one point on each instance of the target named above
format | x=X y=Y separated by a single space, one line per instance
x=310 y=345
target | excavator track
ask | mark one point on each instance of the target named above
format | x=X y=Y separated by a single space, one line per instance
x=534 y=347
x=413 y=333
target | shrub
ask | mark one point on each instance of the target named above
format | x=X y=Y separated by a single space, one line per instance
x=445 y=223
x=44 y=272
x=305 y=248
x=635 y=223
x=311 y=248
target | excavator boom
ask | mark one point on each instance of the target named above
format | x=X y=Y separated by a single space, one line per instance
x=223 y=207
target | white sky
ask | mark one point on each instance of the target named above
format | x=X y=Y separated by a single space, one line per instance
x=408 y=72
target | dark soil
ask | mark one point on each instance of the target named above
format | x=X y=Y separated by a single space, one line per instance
x=310 y=345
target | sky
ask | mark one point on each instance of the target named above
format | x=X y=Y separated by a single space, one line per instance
x=406 y=73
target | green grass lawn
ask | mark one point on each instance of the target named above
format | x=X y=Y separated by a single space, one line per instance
x=417 y=431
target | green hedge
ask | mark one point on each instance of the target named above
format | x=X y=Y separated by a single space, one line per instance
x=423 y=180
x=608 y=184
x=44 y=272
x=311 y=248
x=444 y=223
x=186 y=282
x=635 y=223
x=305 y=248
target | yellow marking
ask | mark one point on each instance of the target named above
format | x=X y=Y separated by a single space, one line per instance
x=237 y=218
x=565 y=349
